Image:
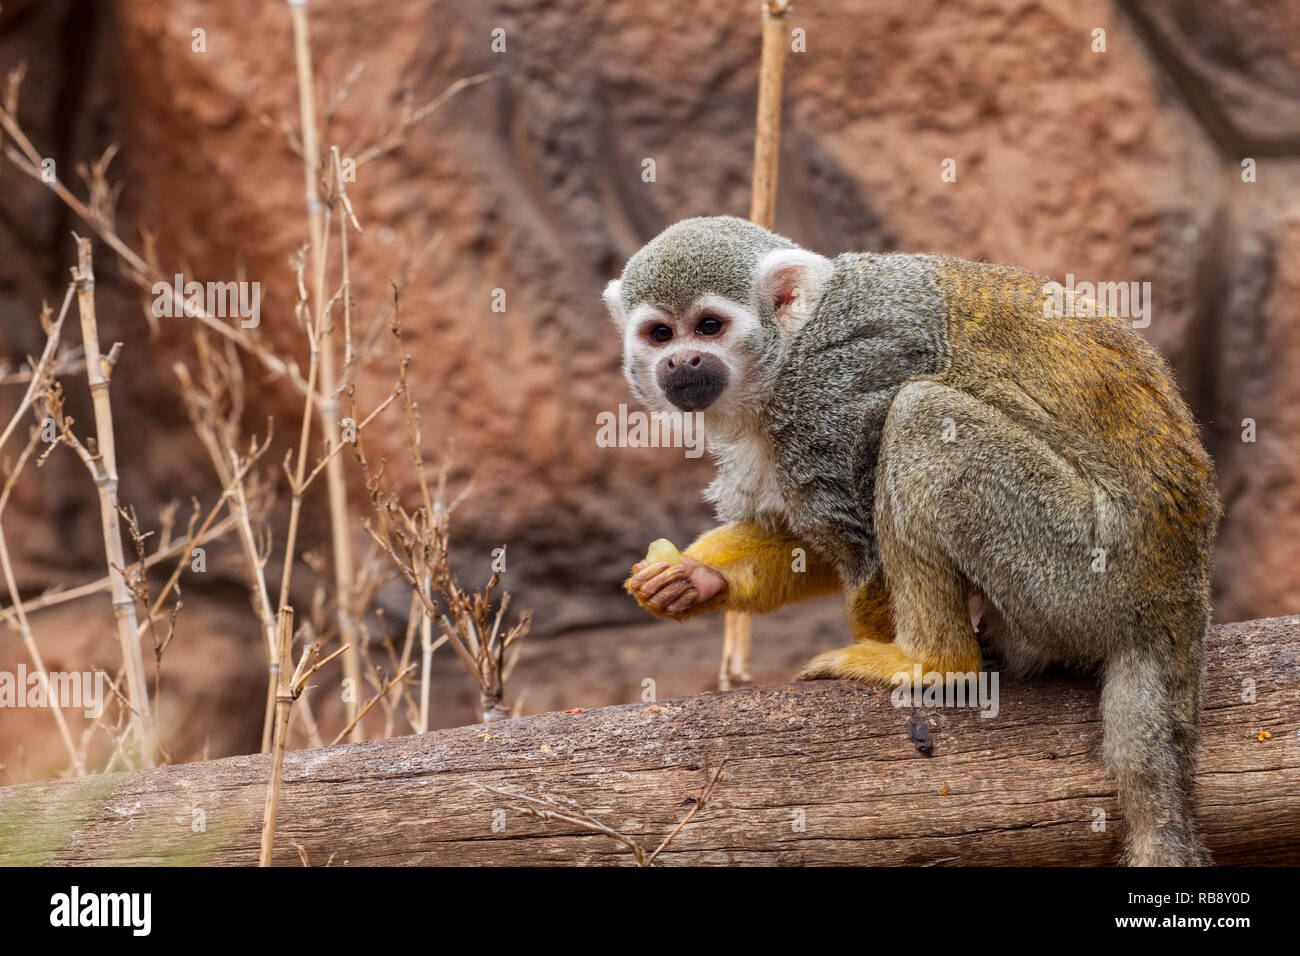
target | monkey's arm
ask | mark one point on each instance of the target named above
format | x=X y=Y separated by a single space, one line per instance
x=735 y=567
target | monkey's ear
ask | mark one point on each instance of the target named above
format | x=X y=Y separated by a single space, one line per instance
x=614 y=302
x=791 y=282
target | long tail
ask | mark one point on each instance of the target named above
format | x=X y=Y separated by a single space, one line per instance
x=1150 y=703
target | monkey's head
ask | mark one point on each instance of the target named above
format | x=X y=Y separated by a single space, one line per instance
x=706 y=309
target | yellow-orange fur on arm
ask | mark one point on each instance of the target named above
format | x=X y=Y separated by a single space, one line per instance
x=759 y=567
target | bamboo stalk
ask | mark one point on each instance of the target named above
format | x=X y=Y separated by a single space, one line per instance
x=767 y=134
x=289 y=687
x=426 y=657
x=297 y=486
x=283 y=706
x=104 y=462
x=328 y=406
x=738 y=630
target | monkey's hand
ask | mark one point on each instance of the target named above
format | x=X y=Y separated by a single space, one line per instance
x=677 y=591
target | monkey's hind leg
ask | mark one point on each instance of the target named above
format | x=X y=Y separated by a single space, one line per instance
x=924 y=622
x=1025 y=523
x=737 y=641
x=871 y=622
x=870 y=617
x=728 y=649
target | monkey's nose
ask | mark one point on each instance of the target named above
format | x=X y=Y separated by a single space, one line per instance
x=687 y=359
x=692 y=380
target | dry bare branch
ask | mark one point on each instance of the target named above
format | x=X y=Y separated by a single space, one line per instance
x=102 y=463
x=567 y=810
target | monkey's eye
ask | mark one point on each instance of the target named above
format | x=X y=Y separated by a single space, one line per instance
x=709 y=325
x=661 y=333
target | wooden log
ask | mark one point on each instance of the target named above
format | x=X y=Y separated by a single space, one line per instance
x=817 y=773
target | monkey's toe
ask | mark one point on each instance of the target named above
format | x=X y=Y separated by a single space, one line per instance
x=827 y=666
x=875 y=661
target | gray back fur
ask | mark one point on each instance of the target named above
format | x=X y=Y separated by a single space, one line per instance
x=879 y=323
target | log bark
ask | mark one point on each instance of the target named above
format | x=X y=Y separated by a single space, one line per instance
x=817 y=773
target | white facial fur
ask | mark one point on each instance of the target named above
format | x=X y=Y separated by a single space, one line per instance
x=738 y=346
x=791 y=279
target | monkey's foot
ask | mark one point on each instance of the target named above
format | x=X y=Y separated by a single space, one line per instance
x=674 y=590
x=875 y=661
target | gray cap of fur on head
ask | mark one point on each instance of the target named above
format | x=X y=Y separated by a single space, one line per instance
x=718 y=254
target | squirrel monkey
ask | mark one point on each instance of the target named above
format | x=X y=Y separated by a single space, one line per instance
x=919 y=430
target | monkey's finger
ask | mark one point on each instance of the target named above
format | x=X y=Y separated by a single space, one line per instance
x=670 y=573
x=683 y=603
x=669 y=593
x=639 y=578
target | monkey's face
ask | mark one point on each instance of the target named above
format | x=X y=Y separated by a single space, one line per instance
x=706 y=310
x=692 y=360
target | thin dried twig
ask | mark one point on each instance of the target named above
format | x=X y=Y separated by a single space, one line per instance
x=327 y=408
x=18 y=620
x=417 y=544
x=41 y=368
x=567 y=810
x=215 y=408
x=371 y=703
x=137 y=580
x=283 y=701
x=183 y=549
x=410 y=115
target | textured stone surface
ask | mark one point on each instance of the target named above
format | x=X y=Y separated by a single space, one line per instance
x=1236 y=63
x=1122 y=166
